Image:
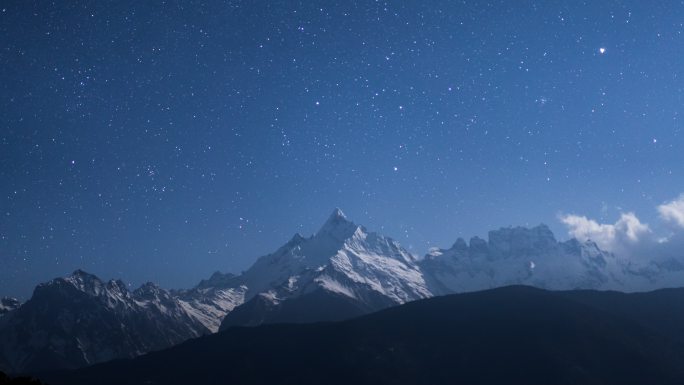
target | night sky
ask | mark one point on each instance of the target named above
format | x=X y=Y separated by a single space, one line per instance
x=165 y=140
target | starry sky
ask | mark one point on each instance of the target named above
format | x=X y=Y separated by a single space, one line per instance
x=165 y=140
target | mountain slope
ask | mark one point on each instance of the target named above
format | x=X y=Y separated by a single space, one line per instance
x=513 y=335
x=212 y=299
x=80 y=320
x=318 y=305
x=661 y=310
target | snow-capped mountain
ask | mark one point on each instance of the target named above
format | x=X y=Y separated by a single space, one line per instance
x=79 y=320
x=8 y=304
x=342 y=262
x=340 y=272
x=529 y=256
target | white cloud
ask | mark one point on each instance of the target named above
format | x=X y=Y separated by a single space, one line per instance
x=627 y=230
x=583 y=228
x=673 y=211
x=630 y=238
x=630 y=226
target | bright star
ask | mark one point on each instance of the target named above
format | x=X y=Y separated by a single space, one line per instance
x=602 y=50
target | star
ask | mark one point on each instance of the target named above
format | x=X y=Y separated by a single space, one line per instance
x=602 y=50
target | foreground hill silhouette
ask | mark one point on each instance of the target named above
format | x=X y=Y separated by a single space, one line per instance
x=6 y=380
x=509 y=335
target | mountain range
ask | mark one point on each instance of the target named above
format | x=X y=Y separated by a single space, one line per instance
x=79 y=320
x=340 y=272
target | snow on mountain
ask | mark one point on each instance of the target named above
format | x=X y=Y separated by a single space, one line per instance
x=529 y=256
x=650 y=274
x=341 y=258
x=80 y=320
x=345 y=258
x=212 y=299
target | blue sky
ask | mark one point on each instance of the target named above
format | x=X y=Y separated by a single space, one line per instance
x=166 y=141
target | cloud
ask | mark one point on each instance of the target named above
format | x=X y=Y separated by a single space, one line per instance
x=627 y=231
x=673 y=211
x=630 y=226
x=583 y=228
x=629 y=237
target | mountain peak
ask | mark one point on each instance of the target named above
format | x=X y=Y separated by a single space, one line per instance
x=338 y=225
x=81 y=281
x=149 y=290
x=522 y=241
x=296 y=239
x=83 y=275
x=337 y=213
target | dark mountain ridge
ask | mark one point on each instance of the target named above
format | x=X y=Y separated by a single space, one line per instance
x=513 y=335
